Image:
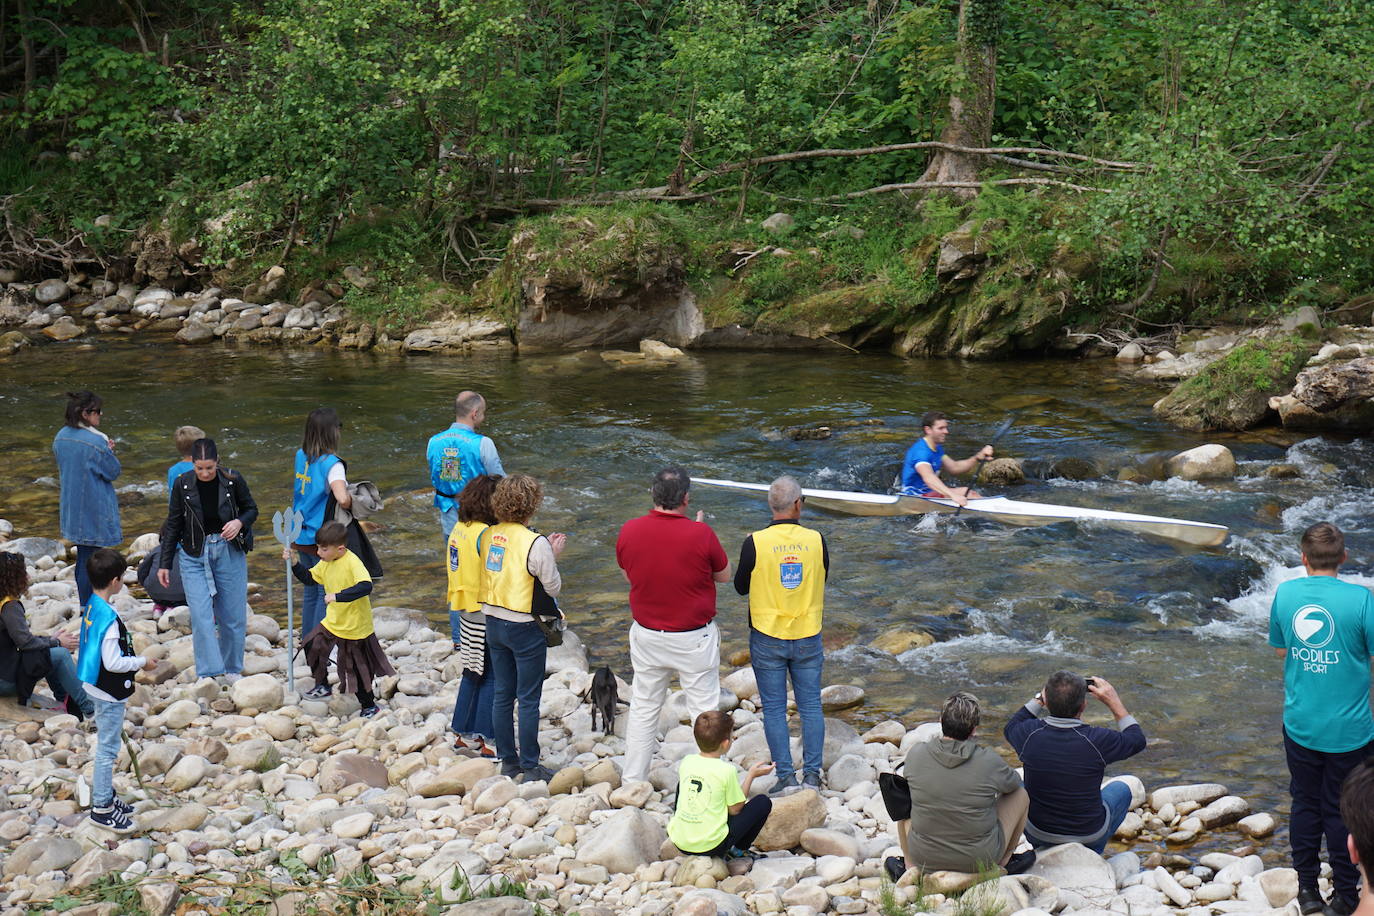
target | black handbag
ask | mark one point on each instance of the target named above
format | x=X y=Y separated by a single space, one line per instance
x=896 y=792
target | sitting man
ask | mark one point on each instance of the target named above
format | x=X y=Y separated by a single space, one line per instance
x=926 y=459
x=967 y=806
x=1064 y=761
x=1357 y=810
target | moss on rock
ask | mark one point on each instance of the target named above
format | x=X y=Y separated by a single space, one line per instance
x=1233 y=392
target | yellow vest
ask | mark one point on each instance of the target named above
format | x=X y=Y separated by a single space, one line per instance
x=508 y=582
x=787 y=586
x=465 y=567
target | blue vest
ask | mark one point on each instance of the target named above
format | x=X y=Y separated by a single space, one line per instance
x=310 y=492
x=455 y=457
x=90 y=668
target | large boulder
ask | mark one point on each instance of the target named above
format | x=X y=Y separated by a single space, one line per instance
x=259 y=691
x=1336 y=395
x=458 y=334
x=624 y=841
x=1233 y=392
x=1084 y=879
x=576 y=281
x=792 y=816
x=1206 y=462
x=50 y=291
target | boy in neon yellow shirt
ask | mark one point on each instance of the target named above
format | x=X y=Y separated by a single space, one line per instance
x=347 y=624
x=712 y=817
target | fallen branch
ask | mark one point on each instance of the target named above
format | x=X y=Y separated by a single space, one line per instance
x=926 y=185
x=801 y=155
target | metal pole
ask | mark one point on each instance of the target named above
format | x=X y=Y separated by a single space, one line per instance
x=290 y=632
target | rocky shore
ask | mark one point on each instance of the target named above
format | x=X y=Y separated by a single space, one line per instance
x=245 y=793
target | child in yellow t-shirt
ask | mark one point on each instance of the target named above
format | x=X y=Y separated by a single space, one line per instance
x=712 y=818
x=347 y=625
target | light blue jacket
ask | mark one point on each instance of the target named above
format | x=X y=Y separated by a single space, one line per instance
x=88 y=467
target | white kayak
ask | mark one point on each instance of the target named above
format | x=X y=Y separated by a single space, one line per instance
x=999 y=508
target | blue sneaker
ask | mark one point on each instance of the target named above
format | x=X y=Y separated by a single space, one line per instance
x=785 y=786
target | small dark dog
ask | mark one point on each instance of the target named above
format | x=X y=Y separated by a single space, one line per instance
x=604 y=697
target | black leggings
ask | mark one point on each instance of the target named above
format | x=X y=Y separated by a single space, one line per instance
x=743 y=828
x=366 y=699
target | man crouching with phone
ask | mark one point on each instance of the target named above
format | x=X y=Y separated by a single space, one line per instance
x=1065 y=760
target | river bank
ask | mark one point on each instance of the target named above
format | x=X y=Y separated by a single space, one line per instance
x=247 y=792
x=594 y=287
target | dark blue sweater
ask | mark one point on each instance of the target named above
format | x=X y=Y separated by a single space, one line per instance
x=1064 y=762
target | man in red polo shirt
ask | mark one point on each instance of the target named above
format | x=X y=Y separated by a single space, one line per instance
x=672 y=564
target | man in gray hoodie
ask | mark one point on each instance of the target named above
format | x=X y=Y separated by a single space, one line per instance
x=968 y=807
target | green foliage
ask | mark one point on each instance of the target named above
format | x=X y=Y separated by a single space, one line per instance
x=383 y=132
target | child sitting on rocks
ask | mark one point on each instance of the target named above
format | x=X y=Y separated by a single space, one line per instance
x=106 y=663
x=347 y=625
x=712 y=817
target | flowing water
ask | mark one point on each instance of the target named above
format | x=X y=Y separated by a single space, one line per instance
x=1180 y=631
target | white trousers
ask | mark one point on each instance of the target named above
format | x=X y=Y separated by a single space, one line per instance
x=694 y=657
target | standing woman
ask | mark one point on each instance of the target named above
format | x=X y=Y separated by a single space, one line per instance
x=522 y=578
x=466 y=580
x=209 y=529
x=320 y=474
x=87 y=465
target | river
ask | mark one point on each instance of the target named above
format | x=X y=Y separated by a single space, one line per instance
x=1180 y=631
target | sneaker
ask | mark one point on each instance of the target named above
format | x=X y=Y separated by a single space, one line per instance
x=232 y=678
x=159 y=610
x=122 y=807
x=1020 y=862
x=510 y=768
x=1340 y=906
x=736 y=853
x=72 y=707
x=367 y=712
x=785 y=786
x=537 y=773
x=1310 y=901
x=895 y=866
x=112 y=819
x=318 y=692
x=811 y=780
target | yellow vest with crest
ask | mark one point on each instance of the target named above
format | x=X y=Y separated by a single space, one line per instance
x=787 y=586
x=465 y=567
x=506 y=562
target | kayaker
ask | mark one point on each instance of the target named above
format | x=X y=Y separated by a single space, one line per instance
x=926 y=459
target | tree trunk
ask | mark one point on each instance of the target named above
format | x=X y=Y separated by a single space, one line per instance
x=971 y=104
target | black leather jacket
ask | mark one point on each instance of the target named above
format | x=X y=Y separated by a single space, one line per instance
x=185 y=523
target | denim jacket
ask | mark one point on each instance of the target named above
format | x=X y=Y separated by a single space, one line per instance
x=88 y=467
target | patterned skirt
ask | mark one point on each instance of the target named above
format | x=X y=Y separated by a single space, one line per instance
x=472 y=630
x=358 y=661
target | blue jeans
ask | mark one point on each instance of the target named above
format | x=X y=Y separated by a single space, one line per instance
x=1117 y=797
x=312 y=599
x=773 y=661
x=62 y=679
x=517 y=652
x=83 y=578
x=109 y=723
x=447 y=519
x=216 y=586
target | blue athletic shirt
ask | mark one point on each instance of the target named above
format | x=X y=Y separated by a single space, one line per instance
x=1327 y=628
x=176 y=470
x=912 y=484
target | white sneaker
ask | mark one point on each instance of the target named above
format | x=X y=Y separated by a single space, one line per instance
x=232 y=679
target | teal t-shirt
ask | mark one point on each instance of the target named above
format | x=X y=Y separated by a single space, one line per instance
x=1327 y=628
